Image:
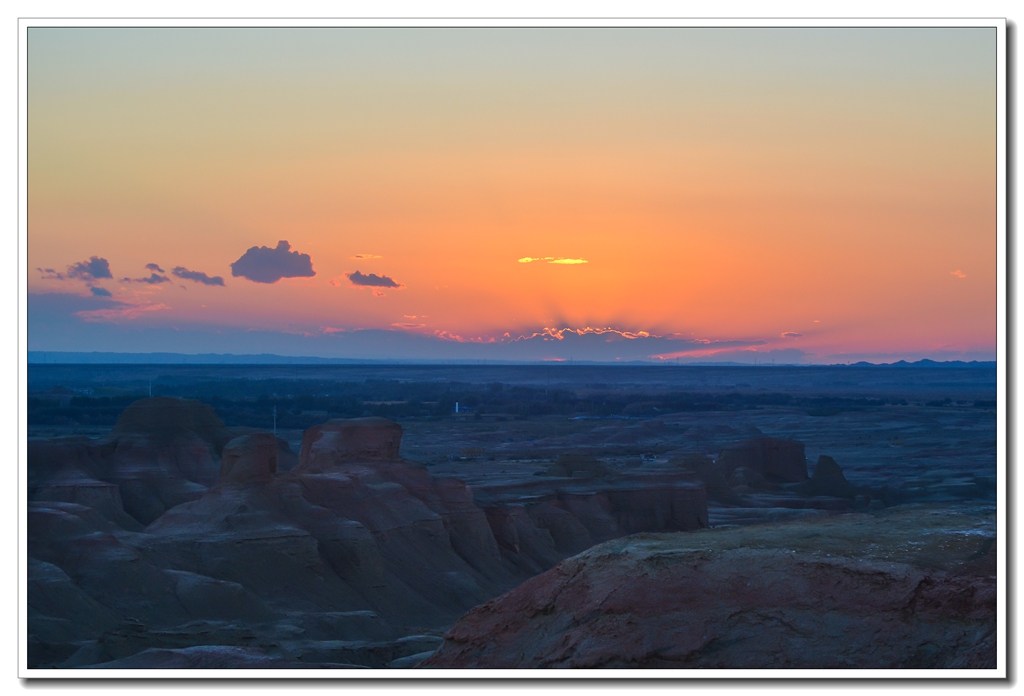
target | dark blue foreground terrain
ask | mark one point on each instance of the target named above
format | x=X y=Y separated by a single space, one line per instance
x=287 y=516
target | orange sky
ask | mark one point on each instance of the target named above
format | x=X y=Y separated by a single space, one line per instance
x=722 y=185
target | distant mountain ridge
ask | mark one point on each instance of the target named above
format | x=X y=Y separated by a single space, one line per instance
x=925 y=362
x=111 y=358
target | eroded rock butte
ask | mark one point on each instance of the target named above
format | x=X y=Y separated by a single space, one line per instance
x=174 y=533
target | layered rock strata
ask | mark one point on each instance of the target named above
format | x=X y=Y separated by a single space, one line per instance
x=799 y=596
x=161 y=453
x=354 y=543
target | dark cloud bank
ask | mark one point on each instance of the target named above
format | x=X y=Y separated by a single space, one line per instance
x=153 y=279
x=198 y=276
x=262 y=264
x=372 y=280
x=54 y=325
x=93 y=269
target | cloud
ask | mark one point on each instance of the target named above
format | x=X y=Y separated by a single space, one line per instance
x=367 y=256
x=608 y=344
x=730 y=351
x=749 y=356
x=47 y=311
x=553 y=259
x=53 y=325
x=791 y=334
x=154 y=267
x=371 y=280
x=262 y=264
x=62 y=305
x=200 y=277
x=93 y=269
x=117 y=314
x=408 y=325
x=958 y=273
x=154 y=279
x=51 y=274
x=548 y=333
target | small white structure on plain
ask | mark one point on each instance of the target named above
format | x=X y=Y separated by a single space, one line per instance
x=456 y=406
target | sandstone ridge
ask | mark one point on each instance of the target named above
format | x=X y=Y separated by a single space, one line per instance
x=180 y=532
x=215 y=545
x=798 y=595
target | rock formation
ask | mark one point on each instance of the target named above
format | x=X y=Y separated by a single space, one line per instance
x=536 y=521
x=353 y=527
x=776 y=459
x=799 y=595
x=249 y=459
x=174 y=532
x=827 y=479
x=162 y=452
x=176 y=540
x=326 y=446
x=749 y=479
x=716 y=484
x=355 y=533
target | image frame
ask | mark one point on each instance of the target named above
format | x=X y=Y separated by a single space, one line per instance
x=1002 y=412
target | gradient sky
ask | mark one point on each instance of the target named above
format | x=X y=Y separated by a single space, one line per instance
x=816 y=195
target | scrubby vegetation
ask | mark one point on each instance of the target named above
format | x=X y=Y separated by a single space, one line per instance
x=301 y=403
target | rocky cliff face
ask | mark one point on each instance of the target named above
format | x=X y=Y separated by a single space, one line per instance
x=175 y=541
x=162 y=452
x=342 y=532
x=175 y=532
x=540 y=519
x=798 y=595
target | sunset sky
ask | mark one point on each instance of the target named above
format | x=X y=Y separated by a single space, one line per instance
x=805 y=195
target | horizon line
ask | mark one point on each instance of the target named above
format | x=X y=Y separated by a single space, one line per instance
x=39 y=357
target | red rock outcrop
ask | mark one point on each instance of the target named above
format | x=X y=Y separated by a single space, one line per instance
x=162 y=452
x=69 y=484
x=344 y=440
x=379 y=537
x=534 y=519
x=352 y=529
x=716 y=485
x=774 y=458
x=828 y=479
x=799 y=595
x=249 y=458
